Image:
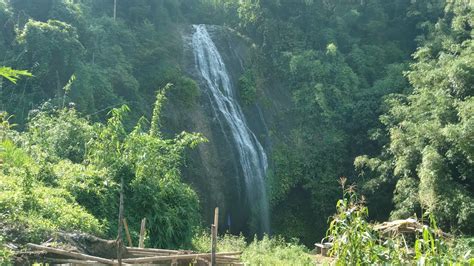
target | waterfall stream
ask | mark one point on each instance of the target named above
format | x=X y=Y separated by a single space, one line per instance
x=252 y=156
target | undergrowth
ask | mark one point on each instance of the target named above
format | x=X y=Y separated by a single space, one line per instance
x=355 y=242
x=266 y=251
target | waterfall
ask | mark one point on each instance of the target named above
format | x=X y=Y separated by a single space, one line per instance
x=252 y=156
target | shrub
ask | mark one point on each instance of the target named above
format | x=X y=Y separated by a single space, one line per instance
x=58 y=134
x=275 y=251
x=38 y=212
x=149 y=167
x=30 y=207
x=92 y=187
x=247 y=88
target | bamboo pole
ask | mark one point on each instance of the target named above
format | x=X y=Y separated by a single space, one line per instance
x=226 y=258
x=214 y=228
x=71 y=261
x=127 y=232
x=141 y=241
x=119 y=229
x=216 y=218
x=213 y=245
x=176 y=252
x=171 y=257
x=71 y=254
x=157 y=250
x=145 y=253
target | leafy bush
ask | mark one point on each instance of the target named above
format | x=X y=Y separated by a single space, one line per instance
x=40 y=210
x=63 y=172
x=58 y=134
x=186 y=90
x=92 y=187
x=247 y=88
x=149 y=166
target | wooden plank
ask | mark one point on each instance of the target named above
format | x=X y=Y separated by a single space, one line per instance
x=71 y=254
x=141 y=242
x=127 y=232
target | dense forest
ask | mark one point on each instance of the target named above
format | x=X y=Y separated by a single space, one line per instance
x=371 y=95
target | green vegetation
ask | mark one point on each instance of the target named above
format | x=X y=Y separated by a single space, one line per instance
x=62 y=173
x=5 y=253
x=428 y=154
x=355 y=90
x=378 y=91
x=355 y=242
x=266 y=251
x=247 y=88
x=114 y=62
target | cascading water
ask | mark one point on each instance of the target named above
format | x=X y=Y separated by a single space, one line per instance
x=252 y=156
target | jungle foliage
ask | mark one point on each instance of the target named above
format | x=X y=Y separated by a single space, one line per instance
x=382 y=85
x=378 y=91
x=63 y=173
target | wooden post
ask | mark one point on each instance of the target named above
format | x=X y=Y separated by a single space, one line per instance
x=216 y=218
x=127 y=232
x=213 y=245
x=141 y=241
x=214 y=228
x=119 y=234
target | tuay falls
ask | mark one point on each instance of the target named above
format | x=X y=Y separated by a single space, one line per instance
x=216 y=82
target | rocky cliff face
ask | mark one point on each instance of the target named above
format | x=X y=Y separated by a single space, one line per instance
x=213 y=169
